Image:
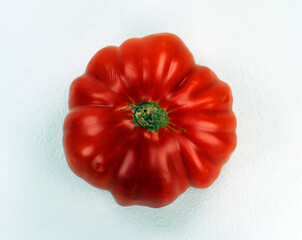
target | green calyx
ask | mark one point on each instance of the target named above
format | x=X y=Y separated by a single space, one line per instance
x=150 y=116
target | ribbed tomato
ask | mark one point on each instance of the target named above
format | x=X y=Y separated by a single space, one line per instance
x=146 y=122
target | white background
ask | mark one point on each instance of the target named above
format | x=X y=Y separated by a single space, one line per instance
x=255 y=46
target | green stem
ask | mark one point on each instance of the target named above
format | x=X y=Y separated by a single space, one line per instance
x=150 y=116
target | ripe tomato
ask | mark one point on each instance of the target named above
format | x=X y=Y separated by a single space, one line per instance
x=146 y=122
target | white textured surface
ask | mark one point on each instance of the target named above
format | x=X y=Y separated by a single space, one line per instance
x=255 y=46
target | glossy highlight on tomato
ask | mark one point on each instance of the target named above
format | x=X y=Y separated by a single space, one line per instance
x=146 y=122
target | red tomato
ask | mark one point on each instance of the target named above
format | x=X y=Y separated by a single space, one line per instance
x=146 y=122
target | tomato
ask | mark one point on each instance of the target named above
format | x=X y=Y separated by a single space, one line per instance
x=146 y=122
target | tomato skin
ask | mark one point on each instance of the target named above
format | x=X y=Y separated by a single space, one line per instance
x=139 y=167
